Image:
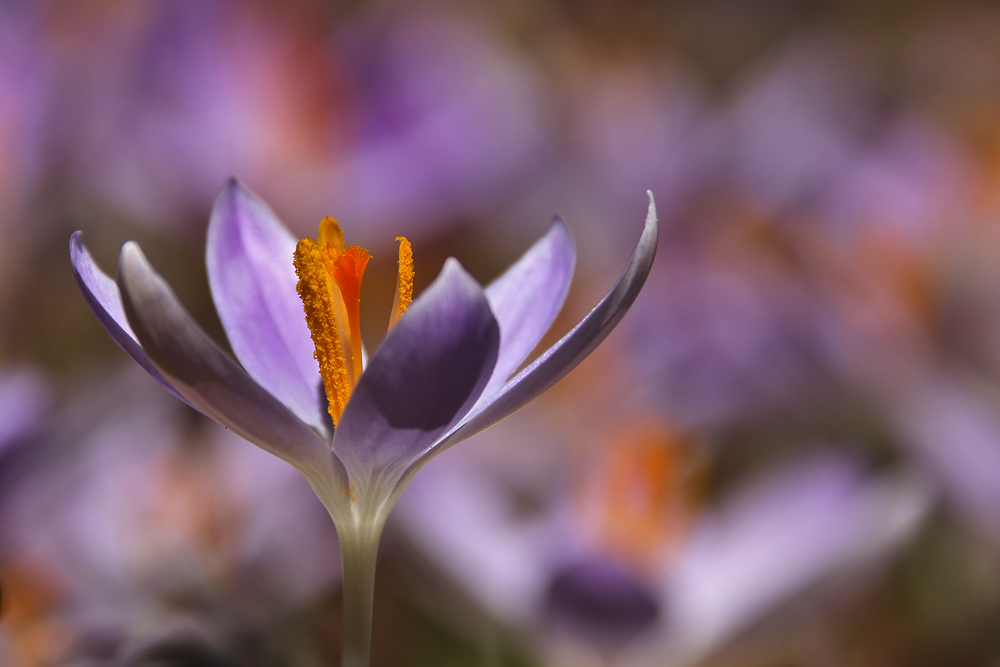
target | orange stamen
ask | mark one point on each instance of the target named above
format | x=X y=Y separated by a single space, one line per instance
x=316 y=288
x=330 y=234
x=330 y=275
x=404 y=282
x=347 y=268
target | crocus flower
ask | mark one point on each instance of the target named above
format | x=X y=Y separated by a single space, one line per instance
x=789 y=531
x=442 y=374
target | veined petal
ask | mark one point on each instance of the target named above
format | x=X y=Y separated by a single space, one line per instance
x=423 y=378
x=249 y=257
x=562 y=357
x=103 y=297
x=206 y=376
x=527 y=298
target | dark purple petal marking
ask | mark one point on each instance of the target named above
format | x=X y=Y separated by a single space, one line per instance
x=562 y=357
x=423 y=378
x=603 y=601
x=249 y=257
x=527 y=298
x=206 y=376
x=102 y=296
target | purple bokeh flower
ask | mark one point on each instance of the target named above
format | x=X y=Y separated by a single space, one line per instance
x=24 y=398
x=950 y=427
x=723 y=337
x=447 y=120
x=148 y=531
x=813 y=141
x=26 y=82
x=784 y=534
x=184 y=94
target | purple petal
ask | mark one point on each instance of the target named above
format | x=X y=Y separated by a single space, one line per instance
x=102 y=296
x=249 y=257
x=24 y=400
x=423 y=378
x=784 y=534
x=603 y=601
x=206 y=376
x=564 y=356
x=527 y=298
x=954 y=432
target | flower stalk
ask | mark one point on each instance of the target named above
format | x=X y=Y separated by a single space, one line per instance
x=358 y=550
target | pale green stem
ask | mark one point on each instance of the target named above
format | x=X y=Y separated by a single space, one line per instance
x=359 y=529
x=358 y=549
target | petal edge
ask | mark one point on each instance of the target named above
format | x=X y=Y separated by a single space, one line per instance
x=207 y=377
x=563 y=356
x=527 y=297
x=104 y=299
x=423 y=378
x=248 y=253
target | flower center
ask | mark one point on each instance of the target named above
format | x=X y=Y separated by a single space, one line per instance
x=329 y=285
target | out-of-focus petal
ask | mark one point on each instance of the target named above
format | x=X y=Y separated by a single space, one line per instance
x=564 y=356
x=599 y=598
x=102 y=296
x=24 y=399
x=249 y=257
x=953 y=430
x=206 y=376
x=527 y=298
x=458 y=512
x=427 y=373
x=781 y=536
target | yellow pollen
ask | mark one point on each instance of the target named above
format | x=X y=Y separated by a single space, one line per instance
x=329 y=285
x=404 y=282
x=315 y=288
x=330 y=234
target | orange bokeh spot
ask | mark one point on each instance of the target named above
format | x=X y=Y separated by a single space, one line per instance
x=643 y=493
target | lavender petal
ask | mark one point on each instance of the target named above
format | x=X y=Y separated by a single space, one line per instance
x=423 y=378
x=249 y=256
x=102 y=296
x=527 y=298
x=782 y=535
x=564 y=356
x=205 y=375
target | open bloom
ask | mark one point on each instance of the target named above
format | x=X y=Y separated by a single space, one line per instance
x=442 y=374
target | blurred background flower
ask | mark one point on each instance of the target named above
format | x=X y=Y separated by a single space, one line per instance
x=788 y=454
x=125 y=527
